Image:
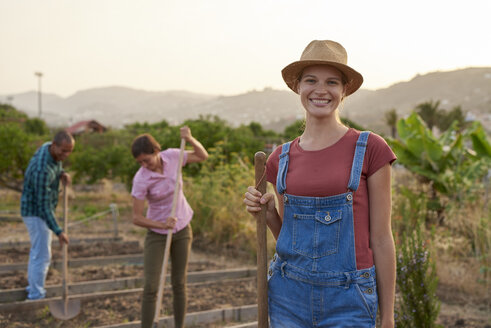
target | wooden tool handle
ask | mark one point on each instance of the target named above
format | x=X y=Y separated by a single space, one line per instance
x=261 y=228
x=65 y=249
x=163 y=272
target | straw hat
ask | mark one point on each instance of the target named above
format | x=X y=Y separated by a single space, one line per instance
x=320 y=52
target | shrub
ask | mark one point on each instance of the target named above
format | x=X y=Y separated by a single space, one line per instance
x=418 y=305
x=216 y=197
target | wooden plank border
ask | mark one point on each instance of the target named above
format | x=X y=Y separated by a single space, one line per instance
x=16 y=297
x=13 y=244
x=238 y=314
x=79 y=262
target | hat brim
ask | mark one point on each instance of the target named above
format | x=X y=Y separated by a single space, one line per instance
x=291 y=74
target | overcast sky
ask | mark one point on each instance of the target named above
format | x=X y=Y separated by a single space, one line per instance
x=229 y=46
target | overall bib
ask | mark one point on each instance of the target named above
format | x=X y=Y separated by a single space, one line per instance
x=313 y=280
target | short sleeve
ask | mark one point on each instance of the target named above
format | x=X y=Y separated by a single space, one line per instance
x=378 y=154
x=139 y=189
x=272 y=165
x=173 y=153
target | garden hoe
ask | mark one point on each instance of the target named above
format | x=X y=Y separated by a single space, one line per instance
x=168 y=241
x=65 y=309
x=262 y=261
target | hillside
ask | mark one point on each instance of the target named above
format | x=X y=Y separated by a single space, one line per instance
x=117 y=106
x=469 y=88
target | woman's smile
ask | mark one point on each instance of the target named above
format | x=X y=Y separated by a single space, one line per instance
x=321 y=90
x=320 y=101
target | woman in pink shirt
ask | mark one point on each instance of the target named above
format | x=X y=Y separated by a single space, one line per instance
x=155 y=182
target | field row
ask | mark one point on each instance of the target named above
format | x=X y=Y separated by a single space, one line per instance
x=109 y=286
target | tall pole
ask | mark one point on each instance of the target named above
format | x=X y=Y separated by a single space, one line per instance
x=39 y=75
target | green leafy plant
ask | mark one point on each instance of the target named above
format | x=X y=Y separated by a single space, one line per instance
x=100 y=156
x=15 y=153
x=430 y=112
x=19 y=137
x=216 y=195
x=418 y=305
x=452 y=164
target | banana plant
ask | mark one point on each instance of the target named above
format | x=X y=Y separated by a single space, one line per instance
x=451 y=163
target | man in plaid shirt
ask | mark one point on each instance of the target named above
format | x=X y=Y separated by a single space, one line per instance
x=38 y=204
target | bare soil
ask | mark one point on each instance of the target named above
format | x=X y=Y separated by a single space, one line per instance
x=18 y=279
x=126 y=309
x=465 y=301
x=459 y=308
x=98 y=248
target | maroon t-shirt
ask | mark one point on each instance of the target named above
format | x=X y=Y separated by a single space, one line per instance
x=326 y=172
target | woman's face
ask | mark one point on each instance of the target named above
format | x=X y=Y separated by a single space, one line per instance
x=321 y=90
x=149 y=161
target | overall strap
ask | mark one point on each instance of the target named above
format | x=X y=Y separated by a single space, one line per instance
x=356 y=167
x=283 y=168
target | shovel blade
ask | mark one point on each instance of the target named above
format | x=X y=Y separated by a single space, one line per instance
x=62 y=312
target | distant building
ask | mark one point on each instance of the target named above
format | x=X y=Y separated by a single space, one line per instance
x=90 y=126
x=269 y=148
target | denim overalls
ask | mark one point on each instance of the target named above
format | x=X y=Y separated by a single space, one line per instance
x=313 y=280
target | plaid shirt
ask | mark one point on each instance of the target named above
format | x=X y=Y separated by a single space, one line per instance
x=41 y=188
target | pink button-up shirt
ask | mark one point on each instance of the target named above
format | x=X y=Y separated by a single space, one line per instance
x=158 y=190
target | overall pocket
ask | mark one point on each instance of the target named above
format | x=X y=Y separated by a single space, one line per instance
x=367 y=292
x=317 y=235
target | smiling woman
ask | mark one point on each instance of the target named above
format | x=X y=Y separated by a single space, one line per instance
x=332 y=224
x=321 y=90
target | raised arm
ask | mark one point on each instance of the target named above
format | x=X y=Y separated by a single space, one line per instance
x=199 y=153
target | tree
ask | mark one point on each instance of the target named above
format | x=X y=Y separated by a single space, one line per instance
x=256 y=128
x=108 y=155
x=10 y=113
x=349 y=123
x=454 y=115
x=258 y=131
x=430 y=112
x=20 y=136
x=391 y=121
x=294 y=130
x=36 y=126
x=99 y=156
x=15 y=153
